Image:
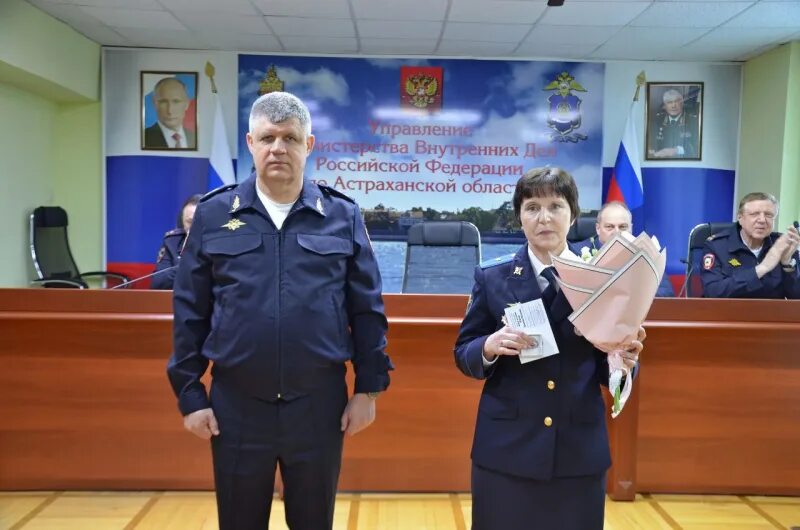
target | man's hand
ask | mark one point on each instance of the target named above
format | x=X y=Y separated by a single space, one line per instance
x=202 y=423
x=358 y=414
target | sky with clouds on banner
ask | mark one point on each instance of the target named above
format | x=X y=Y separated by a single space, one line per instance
x=503 y=103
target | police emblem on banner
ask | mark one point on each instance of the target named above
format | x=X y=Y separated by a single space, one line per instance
x=564 y=113
x=421 y=87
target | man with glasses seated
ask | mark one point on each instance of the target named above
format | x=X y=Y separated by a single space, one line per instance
x=749 y=260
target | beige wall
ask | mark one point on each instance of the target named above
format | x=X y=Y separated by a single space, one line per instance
x=51 y=137
x=769 y=155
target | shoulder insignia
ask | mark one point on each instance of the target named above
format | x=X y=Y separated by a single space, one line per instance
x=161 y=252
x=496 y=261
x=336 y=193
x=175 y=232
x=217 y=191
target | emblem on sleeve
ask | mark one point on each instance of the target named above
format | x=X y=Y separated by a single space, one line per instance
x=708 y=261
x=161 y=253
x=234 y=224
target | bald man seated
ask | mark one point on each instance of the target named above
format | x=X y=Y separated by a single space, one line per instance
x=614 y=217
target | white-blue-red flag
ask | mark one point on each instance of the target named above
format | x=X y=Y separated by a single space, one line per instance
x=626 y=177
x=220 y=164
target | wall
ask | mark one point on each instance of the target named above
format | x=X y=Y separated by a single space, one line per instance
x=24 y=175
x=49 y=90
x=769 y=158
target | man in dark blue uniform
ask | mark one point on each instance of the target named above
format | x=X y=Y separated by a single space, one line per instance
x=278 y=287
x=613 y=217
x=749 y=260
x=170 y=252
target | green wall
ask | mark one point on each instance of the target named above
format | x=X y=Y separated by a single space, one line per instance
x=769 y=153
x=51 y=139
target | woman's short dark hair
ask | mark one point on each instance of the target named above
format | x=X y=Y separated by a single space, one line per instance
x=545 y=181
x=194 y=199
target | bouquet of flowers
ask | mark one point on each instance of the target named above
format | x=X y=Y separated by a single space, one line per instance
x=610 y=296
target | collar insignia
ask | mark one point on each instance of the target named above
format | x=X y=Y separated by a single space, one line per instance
x=235 y=205
x=517 y=271
x=319 y=206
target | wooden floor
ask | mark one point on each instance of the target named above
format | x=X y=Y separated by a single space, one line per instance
x=195 y=511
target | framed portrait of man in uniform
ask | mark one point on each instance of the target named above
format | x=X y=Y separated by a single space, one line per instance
x=674 y=113
x=169 y=111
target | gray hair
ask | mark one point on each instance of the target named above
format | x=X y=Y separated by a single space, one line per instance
x=278 y=107
x=671 y=95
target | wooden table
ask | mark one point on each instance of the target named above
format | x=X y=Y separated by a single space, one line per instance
x=86 y=403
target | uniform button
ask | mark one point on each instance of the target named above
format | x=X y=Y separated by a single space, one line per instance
x=551 y=385
x=279 y=395
x=548 y=421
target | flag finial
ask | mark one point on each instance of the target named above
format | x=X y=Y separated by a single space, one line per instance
x=641 y=79
x=210 y=70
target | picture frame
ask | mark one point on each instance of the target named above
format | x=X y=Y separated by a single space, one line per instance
x=674 y=121
x=168 y=102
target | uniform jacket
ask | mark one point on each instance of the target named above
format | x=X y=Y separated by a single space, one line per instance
x=593 y=244
x=277 y=311
x=729 y=269
x=168 y=257
x=510 y=433
x=665 y=133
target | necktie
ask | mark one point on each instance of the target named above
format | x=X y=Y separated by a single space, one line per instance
x=549 y=294
x=177 y=138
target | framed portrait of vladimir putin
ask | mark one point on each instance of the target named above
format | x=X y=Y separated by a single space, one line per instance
x=674 y=113
x=169 y=111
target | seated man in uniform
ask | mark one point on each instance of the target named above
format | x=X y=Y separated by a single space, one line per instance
x=613 y=217
x=749 y=260
x=170 y=252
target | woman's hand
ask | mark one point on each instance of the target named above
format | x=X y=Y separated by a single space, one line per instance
x=506 y=341
x=630 y=355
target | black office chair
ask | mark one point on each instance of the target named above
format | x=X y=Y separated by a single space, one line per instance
x=583 y=227
x=52 y=257
x=441 y=257
x=694 y=256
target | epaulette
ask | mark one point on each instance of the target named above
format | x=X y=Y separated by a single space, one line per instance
x=217 y=191
x=175 y=232
x=335 y=193
x=712 y=237
x=496 y=261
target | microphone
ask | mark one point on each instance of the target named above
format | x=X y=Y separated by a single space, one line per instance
x=796 y=225
x=140 y=278
x=684 y=290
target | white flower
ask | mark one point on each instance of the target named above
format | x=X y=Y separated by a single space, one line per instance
x=586 y=255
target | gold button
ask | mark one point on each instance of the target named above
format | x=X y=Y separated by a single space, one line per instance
x=548 y=421
x=551 y=385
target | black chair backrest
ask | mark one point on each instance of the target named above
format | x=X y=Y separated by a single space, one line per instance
x=694 y=255
x=52 y=257
x=441 y=257
x=583 y=227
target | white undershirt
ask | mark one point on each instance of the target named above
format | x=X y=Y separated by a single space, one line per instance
x=755 y=251
x=538 y=266
x=276 y=210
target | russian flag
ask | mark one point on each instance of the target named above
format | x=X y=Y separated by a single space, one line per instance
x=626 y=177
x=220 y=164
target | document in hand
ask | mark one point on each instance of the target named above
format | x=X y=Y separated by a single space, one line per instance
x=610 y=297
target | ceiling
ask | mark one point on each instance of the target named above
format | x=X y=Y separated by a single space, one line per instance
x=685 y=30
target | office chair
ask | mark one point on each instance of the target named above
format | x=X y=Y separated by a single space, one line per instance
x=441 y=257
x=694 y=256
x=52 y=257
x=583 y=227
